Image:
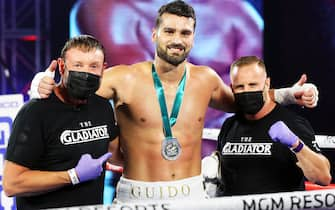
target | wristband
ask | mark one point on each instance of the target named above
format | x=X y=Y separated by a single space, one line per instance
x=73 y=176
x=299 y=147
x=285 y=96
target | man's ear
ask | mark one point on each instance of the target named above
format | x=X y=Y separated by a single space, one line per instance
x=104 y=66
x=231 y=87
x=267 y=83
x=154 y=35
x=61 y=66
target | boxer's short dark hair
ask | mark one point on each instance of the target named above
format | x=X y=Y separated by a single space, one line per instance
x=179 y=8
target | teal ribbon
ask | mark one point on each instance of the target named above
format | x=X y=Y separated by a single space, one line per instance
x=168 y=122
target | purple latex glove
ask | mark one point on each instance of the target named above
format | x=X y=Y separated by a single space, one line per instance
x=279 y=132
x=89 y=168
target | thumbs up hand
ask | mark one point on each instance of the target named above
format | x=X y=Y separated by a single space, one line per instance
x=306 y=94
x=43 y=82
x=301 y=93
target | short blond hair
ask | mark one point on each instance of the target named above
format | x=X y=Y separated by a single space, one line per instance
x=247 y=60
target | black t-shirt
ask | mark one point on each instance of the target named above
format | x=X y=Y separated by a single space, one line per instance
x=253 y=163
x=49 y=135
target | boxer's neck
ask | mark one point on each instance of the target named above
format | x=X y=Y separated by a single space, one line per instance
x=168 y=72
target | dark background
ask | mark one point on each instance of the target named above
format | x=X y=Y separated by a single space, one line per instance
x=299 y=37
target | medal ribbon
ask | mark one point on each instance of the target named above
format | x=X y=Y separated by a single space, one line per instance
x=168 y=122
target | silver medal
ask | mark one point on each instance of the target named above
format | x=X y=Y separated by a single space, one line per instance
x=171 y=149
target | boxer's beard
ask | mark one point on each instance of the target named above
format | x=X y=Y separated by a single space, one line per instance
x=172 y=59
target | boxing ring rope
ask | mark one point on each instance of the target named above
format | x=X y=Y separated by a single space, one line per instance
x=317 y=199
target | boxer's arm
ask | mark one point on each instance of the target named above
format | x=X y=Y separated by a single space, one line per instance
x=43 y=83
x=114 y=80
x=301 y=93
x=222 y=96
x=315 y=167
x=108 y=81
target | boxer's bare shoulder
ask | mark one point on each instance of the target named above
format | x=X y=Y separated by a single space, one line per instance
x=221 y=96
x=118 y=81
x=203 y=72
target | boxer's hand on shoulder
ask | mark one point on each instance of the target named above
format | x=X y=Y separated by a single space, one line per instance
x=306 y=94
x=89 y=168
x=43 y=82
x=301 y=93
x=279 y=132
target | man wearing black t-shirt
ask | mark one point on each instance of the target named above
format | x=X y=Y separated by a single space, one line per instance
x=55 y=159
x=265 y=148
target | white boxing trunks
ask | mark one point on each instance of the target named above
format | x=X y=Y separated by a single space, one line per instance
x=128 y=190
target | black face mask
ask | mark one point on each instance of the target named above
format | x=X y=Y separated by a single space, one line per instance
x=82 y=84
x=249 y=102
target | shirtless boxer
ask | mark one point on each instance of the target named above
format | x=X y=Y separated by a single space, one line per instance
x=236 y=32
x=151 y=172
